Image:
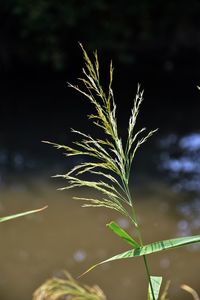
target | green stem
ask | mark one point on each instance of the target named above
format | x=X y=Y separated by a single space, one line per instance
x=148 y=274
x=135 y=222
x=144 y=256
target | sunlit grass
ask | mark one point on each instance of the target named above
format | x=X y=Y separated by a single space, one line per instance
x=108 y=161
x=68 y=288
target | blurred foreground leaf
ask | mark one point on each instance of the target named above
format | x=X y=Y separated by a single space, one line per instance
x=7 y=218
x=190 y=290
x=156 y=283
x=67 y=288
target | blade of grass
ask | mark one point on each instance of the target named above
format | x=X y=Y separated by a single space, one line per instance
x=165 y=292
x=156 y=282
x=151 y=248
x=122 y=234
x=7 y=218
x=188 y=289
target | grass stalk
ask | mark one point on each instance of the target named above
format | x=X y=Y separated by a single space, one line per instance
x=148 y=275
x=109 y=161
x=109 y=158
x=146 y=264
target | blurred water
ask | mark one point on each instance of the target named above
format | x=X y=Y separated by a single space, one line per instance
x=180 y=157
x=66 y=236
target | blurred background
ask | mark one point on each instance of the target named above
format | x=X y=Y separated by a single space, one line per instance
x=154 y=43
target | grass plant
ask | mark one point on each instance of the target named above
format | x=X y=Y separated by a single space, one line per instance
x=68 y=288
x=109 y=160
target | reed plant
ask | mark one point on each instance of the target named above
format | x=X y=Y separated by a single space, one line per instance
x=108 y=161
x=66 y=287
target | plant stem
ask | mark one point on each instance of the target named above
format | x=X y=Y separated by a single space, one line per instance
x=144 y=256
x=135 y=223
x=148 y=275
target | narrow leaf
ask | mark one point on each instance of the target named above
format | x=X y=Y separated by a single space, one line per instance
x=152 y=248
x=191 y=291
x=122 y=234
x=165 y=291
x=155 y=283
x=3 y=219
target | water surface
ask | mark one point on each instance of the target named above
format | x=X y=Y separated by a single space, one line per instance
x=69 y=237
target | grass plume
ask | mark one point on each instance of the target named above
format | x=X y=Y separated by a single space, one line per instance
x=109 y=159
x=109 y=162
x=67 y=288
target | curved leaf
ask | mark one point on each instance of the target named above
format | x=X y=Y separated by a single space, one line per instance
x=152 y=248
x=188 y=289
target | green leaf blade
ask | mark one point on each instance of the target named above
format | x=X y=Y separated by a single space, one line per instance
x=122 y=234
x=7 y=218
x=152 y=248
x=167 y=244
x=156 y=282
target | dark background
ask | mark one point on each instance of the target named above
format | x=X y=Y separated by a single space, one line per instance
x=152 y=42
x=155 y=43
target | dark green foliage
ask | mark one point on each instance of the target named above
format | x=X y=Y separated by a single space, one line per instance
x=45 y=31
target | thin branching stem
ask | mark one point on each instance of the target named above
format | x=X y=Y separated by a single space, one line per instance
x=109 y=159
